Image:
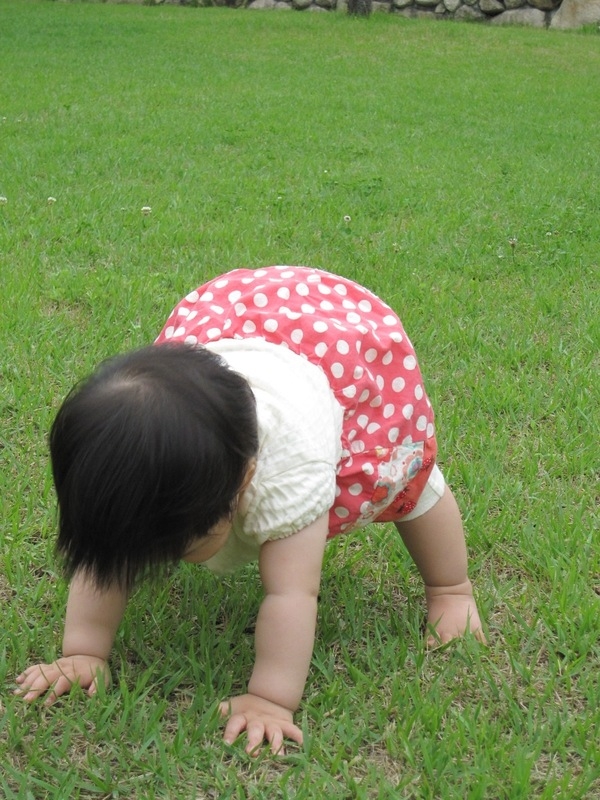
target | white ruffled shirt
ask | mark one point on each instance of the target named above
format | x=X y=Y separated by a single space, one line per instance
x=299 y=430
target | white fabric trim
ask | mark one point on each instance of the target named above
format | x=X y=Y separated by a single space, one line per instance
x=430 y=496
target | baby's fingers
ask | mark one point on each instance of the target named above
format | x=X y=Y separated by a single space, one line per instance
x=287 y=730
x=256 y=735
x=34 y=682
x=235 y=725
x=274 y=733
x=28 y=694
x=61 y=686
x=30 y=672
x=255 y=731
x=275 y=739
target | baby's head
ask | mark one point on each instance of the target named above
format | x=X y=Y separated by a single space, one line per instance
x=148 y=454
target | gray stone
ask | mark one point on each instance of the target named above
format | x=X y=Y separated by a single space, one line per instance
x=300 y=4
x=470 y=2
x=544 y=5
x=452 y=5
x=491 y=6
x=521 y=16
x=381 y=7
x=469 y=13
x=440 y=8
x=428 y=3
x=415 y=13
x=514 y=3
x=260 y=4
x=576 y=13
x=402 y=3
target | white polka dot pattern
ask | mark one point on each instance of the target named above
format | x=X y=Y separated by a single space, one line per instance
x=360 y=344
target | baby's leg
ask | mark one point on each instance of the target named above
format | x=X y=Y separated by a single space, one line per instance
x=436 y=542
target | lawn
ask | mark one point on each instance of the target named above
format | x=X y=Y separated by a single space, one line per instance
x=454 y=170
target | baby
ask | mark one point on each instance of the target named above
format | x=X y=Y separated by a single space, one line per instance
x=278 y=408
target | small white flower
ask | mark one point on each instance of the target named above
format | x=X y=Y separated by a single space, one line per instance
x=347 y=218
x=513 y=242
x=51 y=201
x=146 y=210
x=3 y=200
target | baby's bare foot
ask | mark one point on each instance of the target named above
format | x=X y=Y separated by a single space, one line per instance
x=451 y=613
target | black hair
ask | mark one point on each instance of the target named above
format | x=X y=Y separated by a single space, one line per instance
x=148 y=454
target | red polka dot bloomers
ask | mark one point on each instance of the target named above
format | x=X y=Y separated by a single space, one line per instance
x=388 y=445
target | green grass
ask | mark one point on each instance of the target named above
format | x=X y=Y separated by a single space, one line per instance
x=252 y=136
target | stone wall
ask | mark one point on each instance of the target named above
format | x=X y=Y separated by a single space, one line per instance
x=537 y=13
x=525 y=12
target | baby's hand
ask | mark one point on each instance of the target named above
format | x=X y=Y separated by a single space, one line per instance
x=60 y=676
x=262 y=720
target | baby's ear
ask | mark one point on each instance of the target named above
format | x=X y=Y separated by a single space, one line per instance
x=249 y=474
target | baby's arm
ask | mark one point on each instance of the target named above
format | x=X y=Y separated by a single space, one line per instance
x=285 y=630
x=92 y=618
